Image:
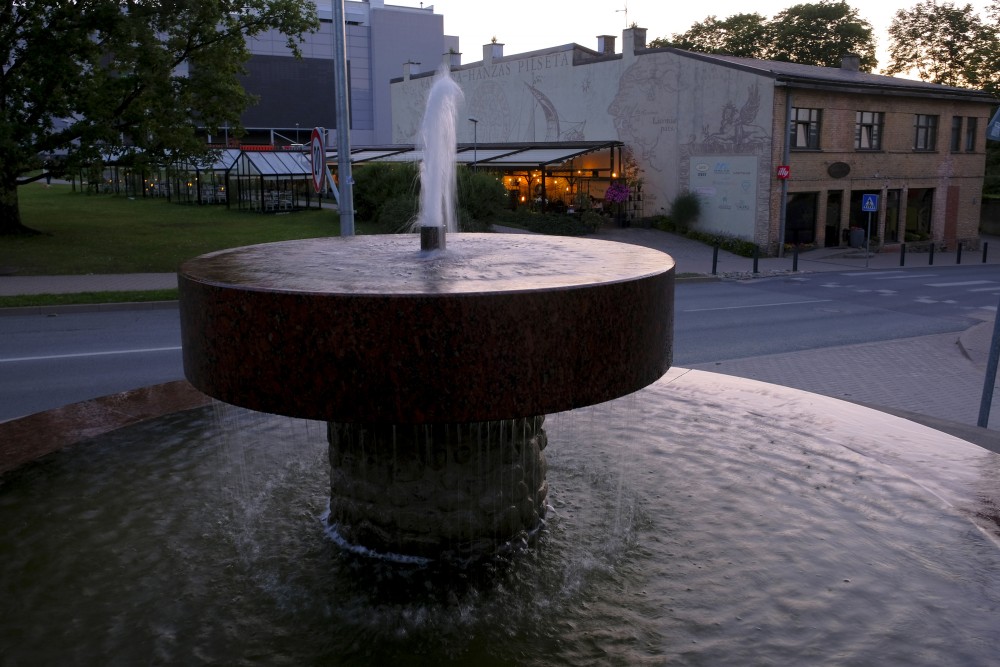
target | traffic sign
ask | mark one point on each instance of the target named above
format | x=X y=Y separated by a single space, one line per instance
x=869 y=203
x=993 y=129
x=317 y=155
x=783 y=172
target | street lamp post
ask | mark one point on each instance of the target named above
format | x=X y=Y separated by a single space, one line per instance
x=475 y=141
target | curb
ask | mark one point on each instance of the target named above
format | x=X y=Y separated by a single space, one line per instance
x=54 y=311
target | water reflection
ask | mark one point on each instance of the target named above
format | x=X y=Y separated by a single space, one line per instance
x=704 y=520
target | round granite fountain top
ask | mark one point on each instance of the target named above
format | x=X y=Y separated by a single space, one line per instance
x=372 y=329
x=394 y=264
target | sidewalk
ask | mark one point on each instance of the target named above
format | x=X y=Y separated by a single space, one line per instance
x=694 y=257
x=125 y=282
x=936 y=380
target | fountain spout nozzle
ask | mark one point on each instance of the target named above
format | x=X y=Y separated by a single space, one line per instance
x=432 y=237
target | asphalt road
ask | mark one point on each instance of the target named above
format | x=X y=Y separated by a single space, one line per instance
x=735 y=320
x=49 y=361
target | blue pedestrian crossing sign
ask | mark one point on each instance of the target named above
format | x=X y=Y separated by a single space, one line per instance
x=869 y=203
x=993 y=129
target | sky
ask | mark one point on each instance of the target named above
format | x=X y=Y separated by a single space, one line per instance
x=529 y=25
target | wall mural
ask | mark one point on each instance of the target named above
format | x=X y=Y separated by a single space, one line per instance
x=690 y=125
x=723 y=167
x=644 y=111
x=737 y=132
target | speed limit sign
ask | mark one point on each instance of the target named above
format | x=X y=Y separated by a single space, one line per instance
x=317 y=153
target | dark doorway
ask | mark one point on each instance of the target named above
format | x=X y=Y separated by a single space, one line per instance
x=919 y=205
x=834 y=204
x=800 y=217
x=892 y=216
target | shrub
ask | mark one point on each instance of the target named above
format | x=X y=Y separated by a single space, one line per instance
x=377 y=183
x=396 y=213
x=732 y=244
x=685 y=209
x=591 y=221
x=559 y=224
x=481 y=195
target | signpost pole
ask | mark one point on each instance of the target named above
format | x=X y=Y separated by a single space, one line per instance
x=868 y=239
x=342 y=104
x=869 y=204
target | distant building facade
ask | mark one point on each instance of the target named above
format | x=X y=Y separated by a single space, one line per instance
x=297 y=94
x=721 y=126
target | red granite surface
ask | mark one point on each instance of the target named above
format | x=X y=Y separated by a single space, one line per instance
x=370 y=328
x=34 y=436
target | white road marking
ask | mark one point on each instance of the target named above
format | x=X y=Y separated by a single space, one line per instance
x=757 y=305
x=89 y=354
x=961 y=284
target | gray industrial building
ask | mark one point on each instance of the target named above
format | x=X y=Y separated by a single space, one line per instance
x=297 y=94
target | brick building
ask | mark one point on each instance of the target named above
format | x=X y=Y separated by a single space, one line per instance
x=720 y=126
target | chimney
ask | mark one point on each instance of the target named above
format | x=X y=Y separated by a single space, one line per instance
x=409 y=69
x=453 y=59
x=633 y=39
x=850 y=62
x=492 y=51
x=606 y=44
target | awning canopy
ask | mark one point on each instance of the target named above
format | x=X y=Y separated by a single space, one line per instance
x=500 y=156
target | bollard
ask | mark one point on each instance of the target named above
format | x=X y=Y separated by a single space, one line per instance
x=902 y=255
x=756 y=254
x=985 y=246
x=958 y=255
x=715 y=258
x=930 y=258
x=795 y=259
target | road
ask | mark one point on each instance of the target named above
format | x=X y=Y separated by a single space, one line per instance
x=47 y=362
x=50 y=361
x=721 y=321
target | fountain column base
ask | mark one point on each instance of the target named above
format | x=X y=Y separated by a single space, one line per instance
x=439 y=491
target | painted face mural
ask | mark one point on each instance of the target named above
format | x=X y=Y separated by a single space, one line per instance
x=644 y=109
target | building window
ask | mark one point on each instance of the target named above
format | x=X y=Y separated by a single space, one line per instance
x=868 y=130
x=956 y=134
x=804 y=128
x=925 y=132
x=971 y=125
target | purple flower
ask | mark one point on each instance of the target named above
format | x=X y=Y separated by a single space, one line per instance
x=617 y=193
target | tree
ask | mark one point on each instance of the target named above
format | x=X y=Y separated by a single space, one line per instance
x=743 y=35
x=943 y=44
x=821 y=33
x=810 y=34
x=137 y=75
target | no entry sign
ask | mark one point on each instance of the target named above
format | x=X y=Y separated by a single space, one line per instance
x=317 y=153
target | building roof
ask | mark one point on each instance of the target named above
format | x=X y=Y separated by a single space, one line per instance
x=798 y=75
x=528 y=155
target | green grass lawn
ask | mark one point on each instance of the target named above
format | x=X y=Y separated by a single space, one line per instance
x=84 y=233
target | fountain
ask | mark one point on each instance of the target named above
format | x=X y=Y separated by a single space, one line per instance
x=434 y=365
x=689 y=517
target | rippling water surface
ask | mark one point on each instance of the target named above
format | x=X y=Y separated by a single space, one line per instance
x=683 y=529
